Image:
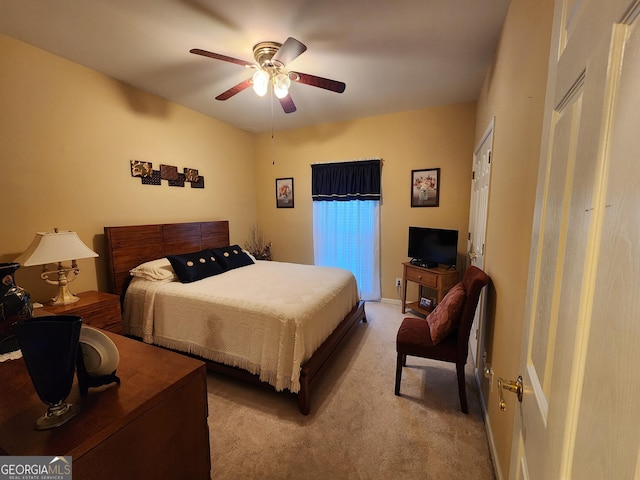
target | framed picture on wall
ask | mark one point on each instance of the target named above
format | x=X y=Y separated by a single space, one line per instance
x=425 y=187
x=284 y=192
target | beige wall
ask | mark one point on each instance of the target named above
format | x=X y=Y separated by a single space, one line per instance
x=67 y=134
x=514 y=93
x=435 y=137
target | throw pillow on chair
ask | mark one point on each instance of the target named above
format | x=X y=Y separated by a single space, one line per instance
x=444 y=317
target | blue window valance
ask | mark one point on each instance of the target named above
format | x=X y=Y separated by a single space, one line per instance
x=344 y=181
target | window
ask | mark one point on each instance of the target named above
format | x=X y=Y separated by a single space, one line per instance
x=346 y=221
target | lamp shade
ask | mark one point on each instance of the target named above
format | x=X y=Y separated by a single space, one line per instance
x=48 y=247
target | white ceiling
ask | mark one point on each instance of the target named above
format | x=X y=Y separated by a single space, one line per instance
x=394 y=56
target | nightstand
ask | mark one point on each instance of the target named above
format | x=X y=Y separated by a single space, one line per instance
x=438 y=280
x=97 y=309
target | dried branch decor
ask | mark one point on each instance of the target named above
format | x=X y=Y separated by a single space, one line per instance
x=257 y=246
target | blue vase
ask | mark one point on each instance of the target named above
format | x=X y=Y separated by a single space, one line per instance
x=49 y=347
x=15 y=305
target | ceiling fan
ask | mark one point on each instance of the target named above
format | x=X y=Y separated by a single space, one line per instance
x=271 y=60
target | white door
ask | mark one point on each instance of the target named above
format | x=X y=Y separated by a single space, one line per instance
x=480 y=181
x=580 y=413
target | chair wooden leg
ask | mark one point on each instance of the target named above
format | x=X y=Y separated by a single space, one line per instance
x=399 y=363
x=462 y=391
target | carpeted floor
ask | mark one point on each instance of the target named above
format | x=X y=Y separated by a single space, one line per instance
x=357 y=428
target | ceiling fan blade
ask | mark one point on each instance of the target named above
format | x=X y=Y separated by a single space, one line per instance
x=289 y=51
x=218 y=56
x=235 y=89
x=326 y=83
x=287 y=104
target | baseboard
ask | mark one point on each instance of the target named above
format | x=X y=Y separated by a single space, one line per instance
x=390 y=300
x=487 y=425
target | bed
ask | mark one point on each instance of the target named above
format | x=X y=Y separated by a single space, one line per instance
x=273 y=323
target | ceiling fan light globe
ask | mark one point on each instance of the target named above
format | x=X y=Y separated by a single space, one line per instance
x=260 y=82
x=280 y=93
x=261 y=91
x=281 y=85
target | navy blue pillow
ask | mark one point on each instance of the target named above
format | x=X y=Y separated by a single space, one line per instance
x=232 y=257
x=190 y=267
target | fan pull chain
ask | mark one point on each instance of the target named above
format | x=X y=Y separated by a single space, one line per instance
x=273 y=138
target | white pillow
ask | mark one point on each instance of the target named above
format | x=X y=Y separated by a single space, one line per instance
x=155 y=270
x=250 y=255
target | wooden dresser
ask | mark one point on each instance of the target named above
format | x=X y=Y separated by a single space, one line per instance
x=152 y=425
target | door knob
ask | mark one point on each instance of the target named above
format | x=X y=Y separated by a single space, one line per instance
x=510 y=385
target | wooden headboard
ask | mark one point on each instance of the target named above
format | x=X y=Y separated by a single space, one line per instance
x=129 y=246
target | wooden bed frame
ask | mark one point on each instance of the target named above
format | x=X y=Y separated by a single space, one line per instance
x=129 y=246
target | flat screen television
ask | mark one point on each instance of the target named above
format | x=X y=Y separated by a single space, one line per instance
x=430 y=247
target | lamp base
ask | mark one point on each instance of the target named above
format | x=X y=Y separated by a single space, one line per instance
x=64 y=297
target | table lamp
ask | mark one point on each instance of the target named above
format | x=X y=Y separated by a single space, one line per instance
x=57 y=247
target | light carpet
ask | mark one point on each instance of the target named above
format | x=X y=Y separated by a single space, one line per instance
x=357 y=428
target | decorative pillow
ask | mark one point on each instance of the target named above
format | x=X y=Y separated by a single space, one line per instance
x=232 y=257
x=190 y=267
x=155 y=270
x=444 y=317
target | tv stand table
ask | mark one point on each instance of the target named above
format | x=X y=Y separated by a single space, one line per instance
x=439 y=280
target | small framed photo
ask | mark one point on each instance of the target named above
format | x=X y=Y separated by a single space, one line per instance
x=425 y=187
x=425 y=302
x=284 y=192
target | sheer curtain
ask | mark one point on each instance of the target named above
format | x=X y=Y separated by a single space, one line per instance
x=346 y=221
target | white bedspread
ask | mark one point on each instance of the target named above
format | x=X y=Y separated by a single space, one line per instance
x=267 y=318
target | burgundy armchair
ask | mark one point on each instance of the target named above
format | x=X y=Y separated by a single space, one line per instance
x=415 y=335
